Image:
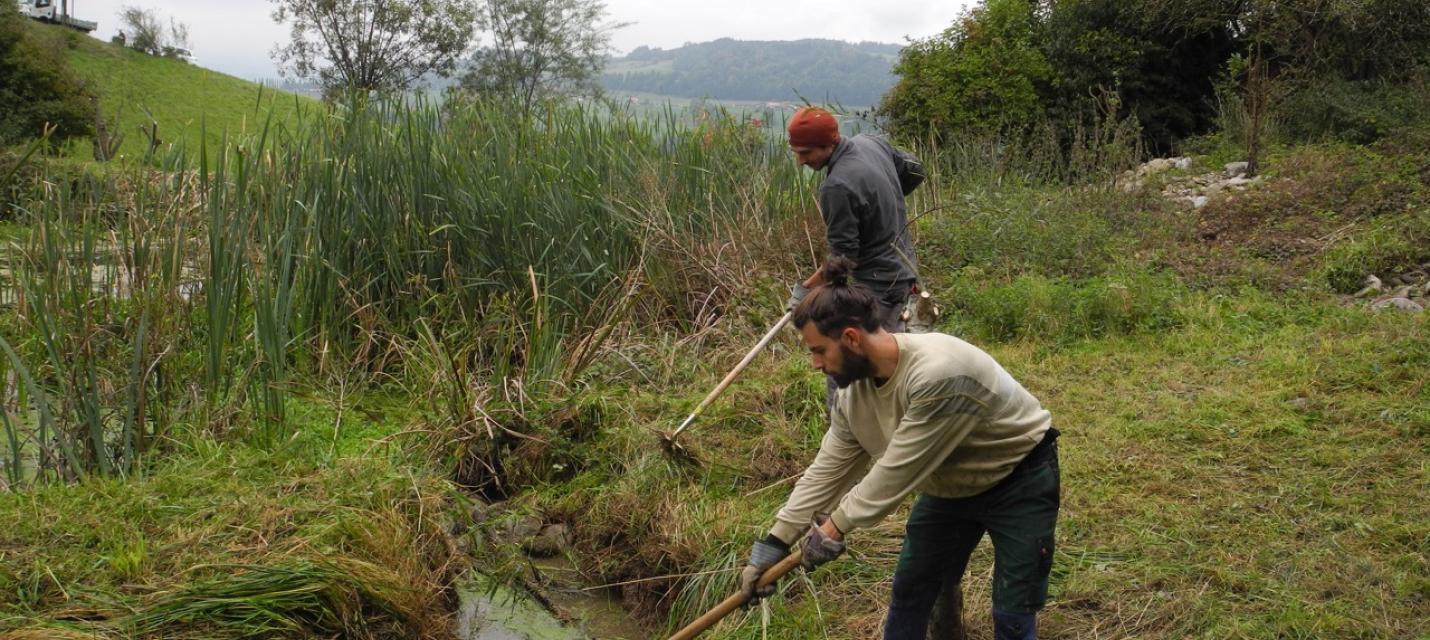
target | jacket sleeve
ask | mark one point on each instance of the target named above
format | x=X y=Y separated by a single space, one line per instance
x=910 y=170
x=838 y=464
x=932 y=427
x=840 y=209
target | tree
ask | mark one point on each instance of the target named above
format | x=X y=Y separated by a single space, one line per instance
x=540 y=48
x=1162 y=72
x=372 y=45
x=1317 y=67
x=37 y=87
x=144 y=31
x=984 y=72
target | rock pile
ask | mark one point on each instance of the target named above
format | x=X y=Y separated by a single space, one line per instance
x=1193 y=190
x=1408 y=292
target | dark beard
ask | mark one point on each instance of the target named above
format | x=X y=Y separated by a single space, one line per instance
x=856 y=367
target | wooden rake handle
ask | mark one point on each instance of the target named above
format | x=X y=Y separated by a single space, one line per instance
x=730 y=377
x=735 y=601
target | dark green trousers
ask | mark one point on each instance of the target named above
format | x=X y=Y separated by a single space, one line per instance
x=1019 y=515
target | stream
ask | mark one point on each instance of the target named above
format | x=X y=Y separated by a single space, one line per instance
x=489 y=611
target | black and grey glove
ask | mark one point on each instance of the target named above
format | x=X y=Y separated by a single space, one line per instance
x=818 y=548
x=763 y=555
x=796 y=294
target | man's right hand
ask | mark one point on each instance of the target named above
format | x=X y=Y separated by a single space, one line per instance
x=796 y=294
x=763 y=555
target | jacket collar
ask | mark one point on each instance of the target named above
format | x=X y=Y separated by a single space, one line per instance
x=840 y=148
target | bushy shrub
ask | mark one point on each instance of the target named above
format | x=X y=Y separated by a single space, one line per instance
x=1358 y=112
x=1008 y=63
x=984 y=72
x=36 y=87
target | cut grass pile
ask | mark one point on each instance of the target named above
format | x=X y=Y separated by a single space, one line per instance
x=227 y=540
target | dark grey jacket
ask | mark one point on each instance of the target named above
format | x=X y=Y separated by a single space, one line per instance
x=862 y=200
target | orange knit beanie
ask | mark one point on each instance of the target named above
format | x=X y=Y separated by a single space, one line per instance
x=813 y=127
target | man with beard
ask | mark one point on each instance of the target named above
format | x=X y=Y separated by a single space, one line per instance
x=932 y=413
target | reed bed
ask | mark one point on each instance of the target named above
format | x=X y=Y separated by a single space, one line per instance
x=501 y=253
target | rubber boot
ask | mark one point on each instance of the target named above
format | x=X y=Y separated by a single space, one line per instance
x=1014 y=626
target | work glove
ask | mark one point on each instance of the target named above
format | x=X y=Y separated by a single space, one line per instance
x=763 y=555
x=796 y=294
x=818 y=548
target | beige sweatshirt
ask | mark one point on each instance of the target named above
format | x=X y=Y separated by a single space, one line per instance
x=950 y=422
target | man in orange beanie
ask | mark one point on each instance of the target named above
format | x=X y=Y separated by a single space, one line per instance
x=862 y=201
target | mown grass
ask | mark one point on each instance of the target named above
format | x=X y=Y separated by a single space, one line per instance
x=1256 y=471
x=1239 y=462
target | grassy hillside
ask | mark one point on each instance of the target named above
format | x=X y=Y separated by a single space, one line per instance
x=182 y=98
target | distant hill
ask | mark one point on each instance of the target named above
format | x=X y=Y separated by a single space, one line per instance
x=851 y=74
x=179 y=95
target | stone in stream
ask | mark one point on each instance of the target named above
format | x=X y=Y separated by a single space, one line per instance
x=519 y=528
x=553 y=539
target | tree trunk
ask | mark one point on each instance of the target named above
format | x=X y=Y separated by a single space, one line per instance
x=1256 y=97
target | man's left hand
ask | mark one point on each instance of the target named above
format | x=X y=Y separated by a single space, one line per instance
x=823 y=543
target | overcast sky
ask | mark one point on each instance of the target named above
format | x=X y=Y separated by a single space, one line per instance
x=236 y=36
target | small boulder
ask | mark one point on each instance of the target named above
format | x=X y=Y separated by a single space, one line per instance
x=1199 y=202
x=1236 y=169
x=1155 y=166
x=1372 y=287
x=552 y=540
x=1183 y=163
x=519 y=529
x=1399 y=304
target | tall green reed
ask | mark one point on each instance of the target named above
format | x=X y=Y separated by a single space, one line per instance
x=94 y=318
x=383 y=235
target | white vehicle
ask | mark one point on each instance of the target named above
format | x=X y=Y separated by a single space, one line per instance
x=47 y=11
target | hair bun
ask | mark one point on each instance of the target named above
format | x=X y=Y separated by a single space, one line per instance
x=837 y=269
